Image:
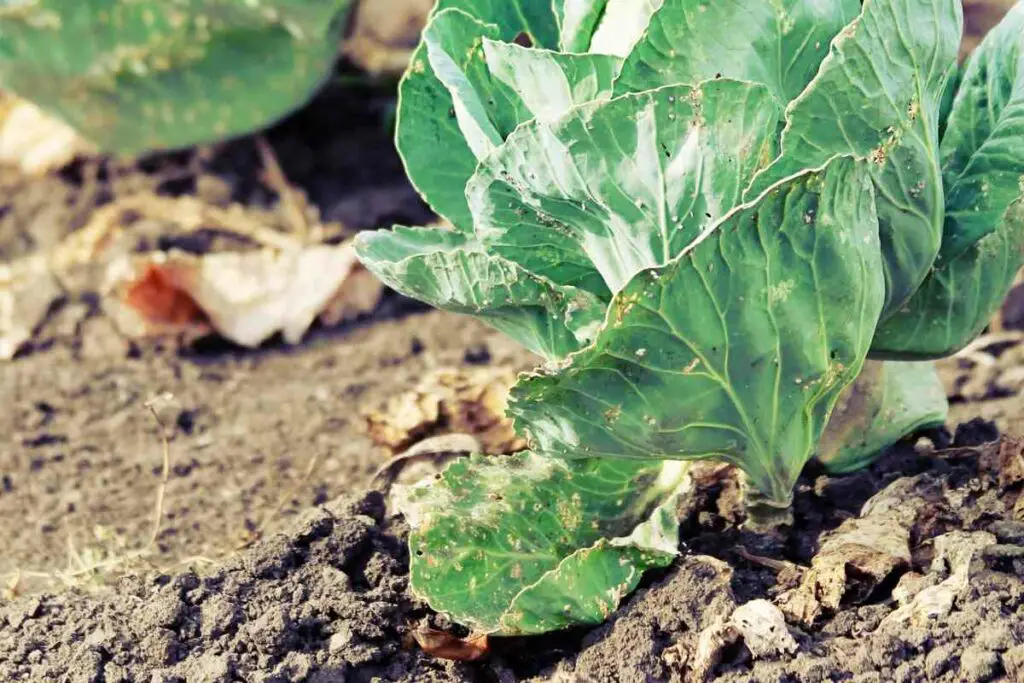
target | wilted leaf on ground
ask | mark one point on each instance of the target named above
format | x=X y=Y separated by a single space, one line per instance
x=449 y=400
x=34 y=141
x=763 y=628
x=180 y=267
x=859 y=555
x=28 y=290
x=446 y=646
x=277 y=282
x=954 y=552
x=31 y=286
x=247 y=297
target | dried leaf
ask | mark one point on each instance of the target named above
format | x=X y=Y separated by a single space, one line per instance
x=449 y=400
x=446 y=646
x=278 y=284
x=860 y=554
x=711 y=645
x=247 y=297
x=36 y=142
x=28 y=290
x=156 y=299
x=764 y=630
x=435 y=453
x=953 y=555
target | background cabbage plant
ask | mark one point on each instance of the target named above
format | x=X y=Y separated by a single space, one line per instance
x=135 y=76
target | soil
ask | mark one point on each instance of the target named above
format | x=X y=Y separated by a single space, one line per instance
x=84 y=452
x=272 y=562
x=328 y=599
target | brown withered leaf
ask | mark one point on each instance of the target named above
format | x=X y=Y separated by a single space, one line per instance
x=859 y=555
x=34 y=141
x=241 y=276
x=446 y=646
x=954 y=553
x=449 y=401
x=428 y=456
x=154 y=296
x=1011 y=462
x=763 y=628
x=246 y=296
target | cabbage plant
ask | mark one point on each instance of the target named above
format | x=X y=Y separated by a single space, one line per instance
x=733 y=229
x=141 y=75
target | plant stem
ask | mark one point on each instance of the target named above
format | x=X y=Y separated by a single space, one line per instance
x=765 y=514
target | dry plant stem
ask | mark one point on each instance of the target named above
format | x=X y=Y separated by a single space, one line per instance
x=191 y=214
x=767 y=562
x=764 y=515
x=165 y=474
x=78 y=567
x=277 y=179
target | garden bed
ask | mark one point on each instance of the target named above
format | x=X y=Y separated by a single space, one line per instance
x=328 y=600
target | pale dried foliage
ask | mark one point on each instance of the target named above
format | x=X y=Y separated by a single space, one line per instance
x=34 y=141
x=385 y=32
x=449 y=401
x=272 y=270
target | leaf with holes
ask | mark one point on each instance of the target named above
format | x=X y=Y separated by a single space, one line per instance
x=983 y=243
x=706 y=217
x=737 y=350
x=877 y=96
x=525 y=544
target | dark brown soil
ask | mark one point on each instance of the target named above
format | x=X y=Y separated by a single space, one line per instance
x=327 y=601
